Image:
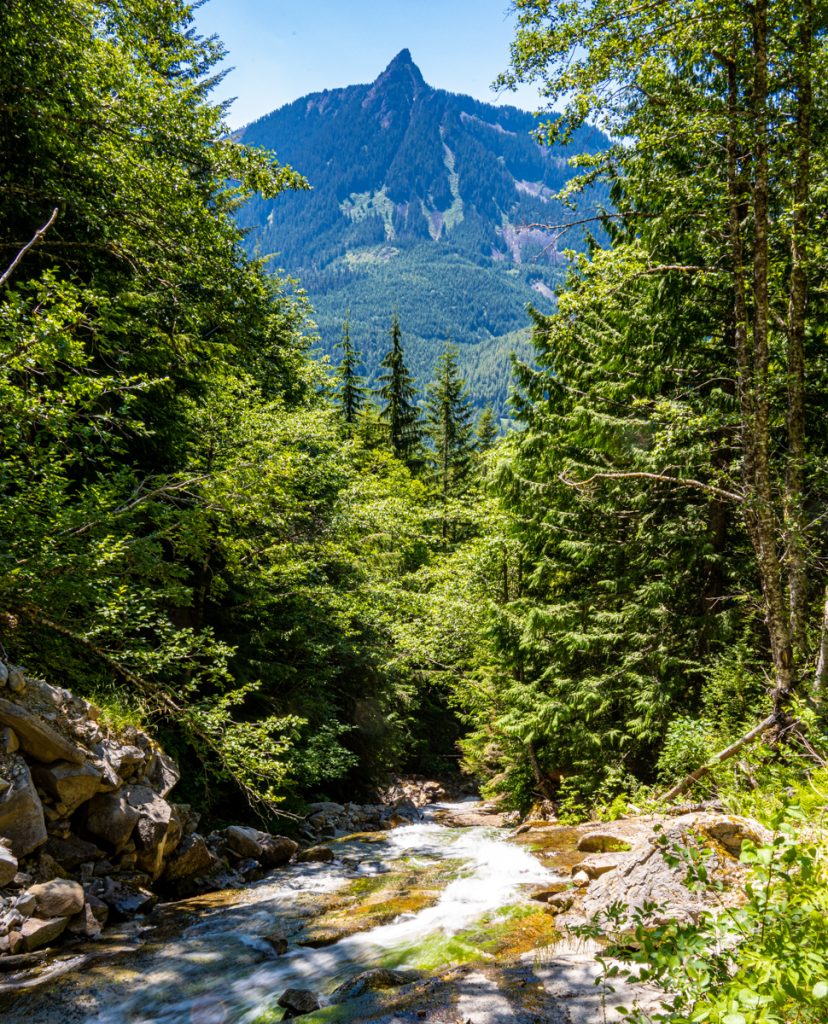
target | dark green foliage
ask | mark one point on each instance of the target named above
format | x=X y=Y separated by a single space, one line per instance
x=396 y=390
x=448 y=426
x=351 y=391
x=486 y=430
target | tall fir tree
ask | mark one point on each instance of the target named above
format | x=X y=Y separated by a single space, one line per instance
x=449 y=425
x=398 y=393
x=350 y=397
x=486 y=430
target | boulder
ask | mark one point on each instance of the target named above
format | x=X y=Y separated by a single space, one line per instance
x=69 y=783
x=276 y=851
x=35 y=933
x=597 y=864
x=38 y=739
x=8 y=740
x=126 y=900
x=728 y=830
x=4 y=674
x=58 y=898
x=297 y=1002
x=112 y=818
x=192 y=857
x=71 y=852
x=8 y=865
x=243 y=841
x=376 y=980
x=22 y=822
x=16 y=681
x=162 y=773
x=315 y=855
x=85 y=923
x=603 y=841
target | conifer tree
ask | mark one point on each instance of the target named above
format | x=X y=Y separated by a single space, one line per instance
x=351 y=394
x=397 y=392
x=449 y=425
x=486 y=431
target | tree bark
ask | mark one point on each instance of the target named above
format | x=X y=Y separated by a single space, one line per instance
x=821 y=676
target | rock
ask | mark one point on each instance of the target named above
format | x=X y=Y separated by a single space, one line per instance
x=315 y=855
x=561 y=900
x=728 y=830
x=276 y=851
x=298 y=1001
x=544 y=895
x=326 y=807
x=157 y=831
x=35 y=933
x=85 y=923
x=8 y=865
x=581 y=879
x=37 y=739
x=16 y=680
x=48 y=868
x=192 y=857
x=71 y=852
x=162 y=774
x=22 y=822
x=125 y=900
x=4 y=674
x=71 y=784
x=58 y=898
x=8 y=739
x=603 y=842
x=112 y=818
x=376 y=980
x=26 y=904
x=187 y=818
x=597 y=864
x=123 y=758
x=243 y=841
x=278 y=940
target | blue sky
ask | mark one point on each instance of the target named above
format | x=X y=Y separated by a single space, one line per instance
x=283 y=49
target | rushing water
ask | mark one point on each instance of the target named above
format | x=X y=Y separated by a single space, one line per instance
x=221 y=968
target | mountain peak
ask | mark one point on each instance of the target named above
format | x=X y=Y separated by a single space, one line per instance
x=402 y=68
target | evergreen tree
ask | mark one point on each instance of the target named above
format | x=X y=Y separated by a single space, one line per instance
x=449 y=425
x=397 y=392
x=351 y=394
x=486 y=431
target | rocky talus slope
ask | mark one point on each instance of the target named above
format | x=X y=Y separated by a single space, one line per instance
x=87 y=829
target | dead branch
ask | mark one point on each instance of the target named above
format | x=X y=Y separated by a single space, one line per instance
x=720 y=758
x=38 y=236
x=680 y=481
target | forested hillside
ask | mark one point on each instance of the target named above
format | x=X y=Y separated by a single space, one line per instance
x=423 y=202
x=303 y=578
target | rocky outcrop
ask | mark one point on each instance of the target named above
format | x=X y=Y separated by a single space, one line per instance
x=86 y=828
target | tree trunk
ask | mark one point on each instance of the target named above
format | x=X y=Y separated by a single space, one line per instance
x=821 y=676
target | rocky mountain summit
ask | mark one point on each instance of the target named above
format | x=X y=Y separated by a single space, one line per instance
x=424 y=201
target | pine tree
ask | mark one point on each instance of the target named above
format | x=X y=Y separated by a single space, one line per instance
x=449 y=425
x=351 y=394
x=486 y=431
x=397 y=392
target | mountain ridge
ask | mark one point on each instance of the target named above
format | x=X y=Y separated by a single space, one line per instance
x=423 y=201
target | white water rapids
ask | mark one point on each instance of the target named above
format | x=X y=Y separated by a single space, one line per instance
x=221 y=970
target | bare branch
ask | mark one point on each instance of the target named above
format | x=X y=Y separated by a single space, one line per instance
x=680 y=481
x=722 y=756
x=38 y=236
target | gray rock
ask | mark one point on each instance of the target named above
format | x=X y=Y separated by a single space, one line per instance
x=8 y=864
x=70 y=784
x=276 y=851
x=243 y=841
x=26 y=904
x=35 y=933
x=125 y=900
x=193 y=857
x=38 y=739
x=378 y=979
x=162 y=774
x=16 y=680
x=85 y=923
x=9 y=742
x=71 y=852
x=112 y=818
x=297 y=1002
x=604 y=841
x=58 y=898
x=4 y=674
x=597 y=864
x=22 y=822
x=315 y=855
